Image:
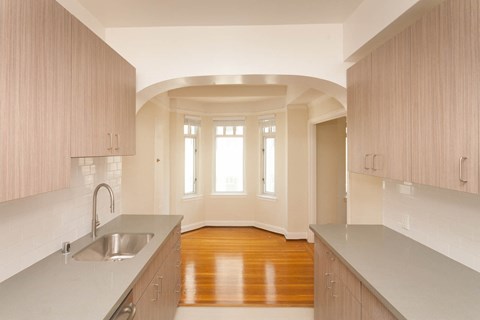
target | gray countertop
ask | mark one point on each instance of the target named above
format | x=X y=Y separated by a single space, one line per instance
x=412 y=280
x=58 y=287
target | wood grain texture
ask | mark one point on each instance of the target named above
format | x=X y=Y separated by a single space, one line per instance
x=89 y=104
x=445 y=96
x=121 y=104
x=390 y=108
x=35 y=91
x=359 y=116
x=337 y=290
x=245 y=267
x=103 y=115
x=373 y=309
x=156 y=293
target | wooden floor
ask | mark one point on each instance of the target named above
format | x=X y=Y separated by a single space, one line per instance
x=245 y=267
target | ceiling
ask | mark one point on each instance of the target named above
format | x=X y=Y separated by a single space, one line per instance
x=150 y=13
x=229 y=93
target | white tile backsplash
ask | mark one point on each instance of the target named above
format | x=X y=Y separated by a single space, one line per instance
x=34 y=227
x=446 y=221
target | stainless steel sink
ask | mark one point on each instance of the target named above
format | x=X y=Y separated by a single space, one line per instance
x=114 y=247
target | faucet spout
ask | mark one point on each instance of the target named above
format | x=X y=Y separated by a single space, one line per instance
x=95 y=221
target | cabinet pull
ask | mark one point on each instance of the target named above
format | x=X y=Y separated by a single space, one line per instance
x=333 y=289
x=155 y=292
x=365 y=161
x=327 y=280
x=160 y=288
x=373 y=162
x=117 y=136
x=460 y=169
x=110 y=146
x=131 y=310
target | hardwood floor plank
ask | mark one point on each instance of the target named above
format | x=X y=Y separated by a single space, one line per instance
x=245 y=267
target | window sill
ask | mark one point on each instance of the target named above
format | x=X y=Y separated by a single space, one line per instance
x=266 y=197
x=191 y=197
x=228 y=195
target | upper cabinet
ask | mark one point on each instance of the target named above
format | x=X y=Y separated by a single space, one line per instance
x=103 y=98
x=422 y=112
x=359 y=116
x=35 y=95
x=445 y=97
x=379 y=112
x=63 y=93
x=390 y=109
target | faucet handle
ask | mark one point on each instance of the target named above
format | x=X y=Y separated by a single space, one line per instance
x=97 y=223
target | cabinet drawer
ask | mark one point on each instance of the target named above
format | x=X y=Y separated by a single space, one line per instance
x=170 y=244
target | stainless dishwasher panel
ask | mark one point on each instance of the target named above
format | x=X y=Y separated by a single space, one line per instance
x=127 y=309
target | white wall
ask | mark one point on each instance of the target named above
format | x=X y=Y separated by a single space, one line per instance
x=165 y=53
x=369 y=19
x=139 y=170
x=364 y=204
x=82 y=14
x=249 y=208
x=297 y=168
x=446 y=221
x=34 y=227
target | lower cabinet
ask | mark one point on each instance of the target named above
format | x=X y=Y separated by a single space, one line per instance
x=339 y=294
x=337 y=291
x=373 y=309
x=157 y=292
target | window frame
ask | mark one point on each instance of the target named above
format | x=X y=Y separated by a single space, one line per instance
x=228 y=123
x=268 y=130
x=189 y=133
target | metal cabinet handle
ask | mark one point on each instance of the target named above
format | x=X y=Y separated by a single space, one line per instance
x=333 y=289
x=132 y=309
x=155 y=293
x=460 y=169
x=365 y=161
x=117 y=136
x=327 y=280
x=161 y=284
x=110 y=146
x=373 y=162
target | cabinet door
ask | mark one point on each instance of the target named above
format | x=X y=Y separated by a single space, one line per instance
x=35 y=93
x=360 y=148
x=390 y=109
x=152 y=303
x=445 y=77
x=91 y=133
x=373 y=309
x=352 y=307
x=122 y=102
x=320 y=280
x=103 y=115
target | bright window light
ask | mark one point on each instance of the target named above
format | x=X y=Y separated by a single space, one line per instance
x=229 y=157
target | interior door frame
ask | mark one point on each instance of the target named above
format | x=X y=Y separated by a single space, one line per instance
x=312 y=166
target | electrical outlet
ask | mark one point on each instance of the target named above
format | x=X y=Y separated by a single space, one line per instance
x=405 y=189
x=406 y=222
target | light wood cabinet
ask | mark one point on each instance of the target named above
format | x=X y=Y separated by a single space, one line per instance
x=156 y=293
x=416 y=119
x=337 y=291
x=35 y=95
x=445 y=97
x=372 y=308
x=379 y=112
x=339 y=294
x=359 y=116
x=390 y=109
x=103 y=98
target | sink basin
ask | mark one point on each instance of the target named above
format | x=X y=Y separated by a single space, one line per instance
x=114 y=247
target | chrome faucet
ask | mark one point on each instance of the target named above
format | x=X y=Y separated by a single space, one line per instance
x=95 y=222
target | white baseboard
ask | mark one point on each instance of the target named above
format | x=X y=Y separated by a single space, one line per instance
x=237 y=223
